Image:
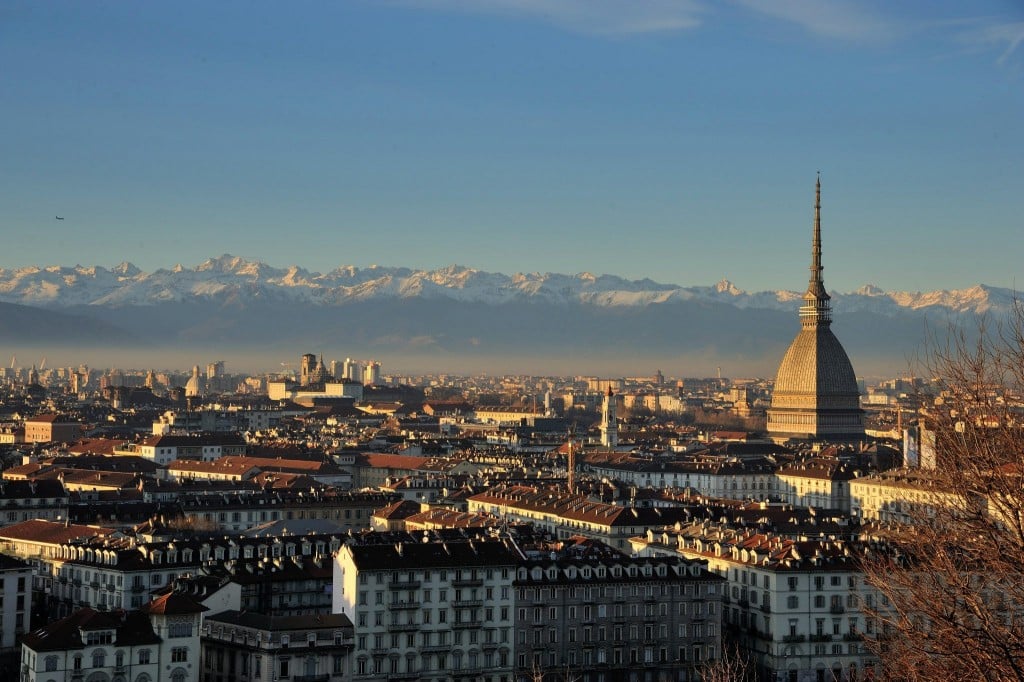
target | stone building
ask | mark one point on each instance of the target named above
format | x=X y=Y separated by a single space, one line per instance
x=616 y=618
x=431 y=606
x=241 y=646
x=157 y=643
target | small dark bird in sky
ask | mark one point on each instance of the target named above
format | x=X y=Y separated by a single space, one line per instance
x=58 y=217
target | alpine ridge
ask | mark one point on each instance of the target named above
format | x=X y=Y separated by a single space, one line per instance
x=234 y=279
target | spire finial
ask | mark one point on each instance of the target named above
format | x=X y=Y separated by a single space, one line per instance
x=816 y=308
x=816 y=245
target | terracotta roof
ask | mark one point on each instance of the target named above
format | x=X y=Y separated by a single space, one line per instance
x=38 y=530
x=173 y=604
x=398 y=510
x=382 y=461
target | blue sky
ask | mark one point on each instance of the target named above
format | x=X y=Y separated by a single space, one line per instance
x=676 y=140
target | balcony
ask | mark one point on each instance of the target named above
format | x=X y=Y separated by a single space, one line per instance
x=467 y=624
x=400 y=677
x=743 y=602
x=403 y=605
x=435 y=649
x=311 y=678
x=404 y=627
x=821 y=638
x=407 y=585
x=793 y=639
x=837 y=608
x=853 y=637
x=765 y=608
x=468 y=582
x=467 y=603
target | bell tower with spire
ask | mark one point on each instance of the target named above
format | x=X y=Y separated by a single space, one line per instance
x=816 y=396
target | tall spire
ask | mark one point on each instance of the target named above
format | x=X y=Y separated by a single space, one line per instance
x=816 y=308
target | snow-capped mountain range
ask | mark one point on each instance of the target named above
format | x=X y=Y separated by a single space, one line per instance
x=234 y=279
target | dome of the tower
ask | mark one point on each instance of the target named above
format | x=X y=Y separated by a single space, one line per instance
x=816 y=363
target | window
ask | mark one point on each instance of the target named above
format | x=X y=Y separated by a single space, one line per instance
x=282 y=669
x=51 y=663
x=179 y=630
x=99 y=658
x=144 y=657
x=179 y=654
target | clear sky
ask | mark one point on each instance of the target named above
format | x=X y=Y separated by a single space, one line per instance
x=670 y=139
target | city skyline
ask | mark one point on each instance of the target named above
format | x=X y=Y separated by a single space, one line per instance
x=670 y=140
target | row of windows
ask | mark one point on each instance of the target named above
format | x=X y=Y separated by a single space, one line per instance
x=426 y=596
x=392 y=577
x=439 y=638
x=588 y=634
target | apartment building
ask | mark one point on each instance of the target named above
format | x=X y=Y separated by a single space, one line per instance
x=794 y=606
x=429 y=606
x=613 y=617
x=15 y=600
x=564 y=515
x=155 y=643
x=242 y=646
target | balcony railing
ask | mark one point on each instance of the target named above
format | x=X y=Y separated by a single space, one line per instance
x=403 y=605
x=435 y=648
x=793 y=639
x=468 y=582
x=311 y=678
x=467 y=603
x=766 y=608
x=466 y=624
x=821 y=638
x=837 y=608
x=405 y=585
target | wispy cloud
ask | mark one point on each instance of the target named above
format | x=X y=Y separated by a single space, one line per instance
x=602 y=17
x=991 y=34
x=835 y=19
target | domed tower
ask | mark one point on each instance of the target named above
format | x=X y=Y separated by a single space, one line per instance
x=816 y=396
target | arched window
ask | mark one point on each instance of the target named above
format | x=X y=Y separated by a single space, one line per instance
x=99 y=658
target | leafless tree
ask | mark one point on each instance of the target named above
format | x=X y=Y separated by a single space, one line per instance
x=731 y=666
x=952 y=581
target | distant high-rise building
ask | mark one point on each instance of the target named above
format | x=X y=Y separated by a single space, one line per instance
x=371 y=373
x=214 y=370
x=816 y=396
x=351 y=370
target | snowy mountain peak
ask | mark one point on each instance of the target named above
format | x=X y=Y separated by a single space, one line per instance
x=727 y=287
x=869 y=290
x=237 y=280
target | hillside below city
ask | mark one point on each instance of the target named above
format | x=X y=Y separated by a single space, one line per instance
x=457 y=312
